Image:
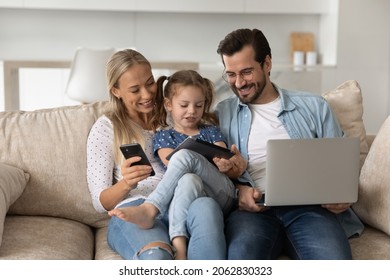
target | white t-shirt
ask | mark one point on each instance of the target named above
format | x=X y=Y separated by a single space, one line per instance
x=265 y=125
x=102 y=172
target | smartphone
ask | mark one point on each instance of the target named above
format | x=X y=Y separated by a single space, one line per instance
x=131 y=150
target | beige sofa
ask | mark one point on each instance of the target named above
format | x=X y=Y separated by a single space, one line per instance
x=46 y=210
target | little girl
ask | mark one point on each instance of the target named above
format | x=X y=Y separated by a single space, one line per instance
x=187 y=96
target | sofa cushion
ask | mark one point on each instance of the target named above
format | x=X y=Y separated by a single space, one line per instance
x=46 y=238
x=373 y=244
x=12 y=183
x=103 y=251
x=50 y=144
x=346 y=102
x=373 y=206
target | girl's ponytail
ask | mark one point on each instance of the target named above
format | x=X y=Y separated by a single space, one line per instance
x=160 y=116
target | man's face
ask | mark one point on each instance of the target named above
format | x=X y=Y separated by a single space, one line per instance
x=245 y=75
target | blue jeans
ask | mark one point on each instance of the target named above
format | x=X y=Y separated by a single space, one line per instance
x=189 y=176
x=205 y=225
x=303 y=232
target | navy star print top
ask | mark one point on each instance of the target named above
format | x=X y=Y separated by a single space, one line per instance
x=170 y=138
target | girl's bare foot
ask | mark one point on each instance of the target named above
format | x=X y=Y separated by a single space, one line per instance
x=142 y=215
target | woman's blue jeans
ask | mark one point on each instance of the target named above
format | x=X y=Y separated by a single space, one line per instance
x=301 y=232
x=189 y=176
x=205 y=225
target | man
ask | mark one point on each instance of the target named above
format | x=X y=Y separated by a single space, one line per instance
x=261 y=111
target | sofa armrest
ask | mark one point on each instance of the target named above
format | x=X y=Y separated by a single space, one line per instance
x=373 y=206
x=12 y=183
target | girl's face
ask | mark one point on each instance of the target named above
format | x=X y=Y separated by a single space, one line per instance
x=186 y=108
x=137 y=89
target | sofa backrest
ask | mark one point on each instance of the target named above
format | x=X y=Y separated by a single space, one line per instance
x=50 y=145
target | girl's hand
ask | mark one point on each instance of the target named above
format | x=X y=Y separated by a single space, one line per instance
x=224 y=165
x=236 y=164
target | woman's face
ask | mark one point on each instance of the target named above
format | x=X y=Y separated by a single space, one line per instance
x=137 y=89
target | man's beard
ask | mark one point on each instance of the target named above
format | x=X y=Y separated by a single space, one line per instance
x=259 y=87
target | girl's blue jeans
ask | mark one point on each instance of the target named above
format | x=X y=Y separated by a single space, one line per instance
x=188 y=177
x=204 y=223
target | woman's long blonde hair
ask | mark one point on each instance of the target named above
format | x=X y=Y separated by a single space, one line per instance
x=125 y=129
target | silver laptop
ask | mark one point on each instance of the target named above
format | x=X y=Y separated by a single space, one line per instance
x=312 y=171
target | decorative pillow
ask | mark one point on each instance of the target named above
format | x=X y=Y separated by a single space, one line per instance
x=12 y=183
x=373 y=206
x=346 y=102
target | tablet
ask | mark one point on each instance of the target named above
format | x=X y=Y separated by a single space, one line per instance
x=206 y=149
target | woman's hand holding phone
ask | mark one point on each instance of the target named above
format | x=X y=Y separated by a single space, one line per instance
x=132 y=172
x=137 y=166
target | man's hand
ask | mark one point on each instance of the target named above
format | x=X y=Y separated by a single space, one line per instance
x=247 y=197
x=337 y=208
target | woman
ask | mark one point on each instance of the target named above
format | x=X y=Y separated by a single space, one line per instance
x=115 y=182
x=187 y=98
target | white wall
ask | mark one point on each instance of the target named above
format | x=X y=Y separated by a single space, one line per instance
x=364 y=55
x=363 y=42
x=30 y=34
x=53 y=34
